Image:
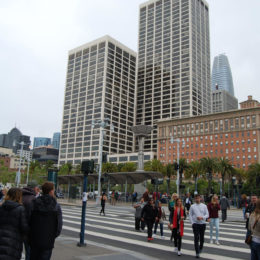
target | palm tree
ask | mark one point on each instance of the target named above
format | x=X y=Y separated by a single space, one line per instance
x=183 y=166
x=253 y=177
x=129 y=167
x=169 y=171
x=209 y=165
x=49 y=164
x=194 y=170
x=224 y=167
x=109 y=167
x=154 y=165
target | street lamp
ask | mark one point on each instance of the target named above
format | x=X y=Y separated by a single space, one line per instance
x=178 y=161
x=18 y=174
x=234 y=190
x=28 y=167
x=102 y=124
x=220 y=186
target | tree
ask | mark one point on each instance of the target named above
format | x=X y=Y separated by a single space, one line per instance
x=5 y=175
x=70 y=167
x=225 y=167
x=129 y=167
x=183 y=166
x=49 y=164
x=169 y=171
x=78 y=169
x=253 y=177
x=194 y=170
x=109 y=167
x=153 y=165
x=209 y=165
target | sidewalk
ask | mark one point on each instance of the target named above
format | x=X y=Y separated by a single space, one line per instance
x=66 y=249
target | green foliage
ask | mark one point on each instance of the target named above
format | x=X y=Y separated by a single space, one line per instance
x=129 y=167
x=5 y=175
x=109 y=167
x=154 y=165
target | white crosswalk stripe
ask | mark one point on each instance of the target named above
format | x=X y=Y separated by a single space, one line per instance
x=118 y=227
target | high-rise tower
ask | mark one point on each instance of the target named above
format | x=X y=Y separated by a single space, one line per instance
x=221 y=74
x=100 y=84
x=173 y=62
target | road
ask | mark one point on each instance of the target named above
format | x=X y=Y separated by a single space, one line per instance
x=116 y=229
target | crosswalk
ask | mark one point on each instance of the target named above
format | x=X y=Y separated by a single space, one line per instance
x=117 y=229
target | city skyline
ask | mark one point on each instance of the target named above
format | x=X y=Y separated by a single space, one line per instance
x=46 y=54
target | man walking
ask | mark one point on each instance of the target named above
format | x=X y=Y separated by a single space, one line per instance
x=224 y=205
x=249 y=210
x=45 y=223
x=198 y=215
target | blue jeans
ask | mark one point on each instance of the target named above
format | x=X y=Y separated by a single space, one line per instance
x=27 y=250
x=161 y=228
x=214 y=222
x=244 y=212
x=255 y=251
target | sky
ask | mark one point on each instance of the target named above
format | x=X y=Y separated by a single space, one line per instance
x=36 y=35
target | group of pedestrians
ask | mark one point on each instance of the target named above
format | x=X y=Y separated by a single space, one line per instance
x=30 y=218
x=150 y=213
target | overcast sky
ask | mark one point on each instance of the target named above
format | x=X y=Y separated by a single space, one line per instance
x=36 y=35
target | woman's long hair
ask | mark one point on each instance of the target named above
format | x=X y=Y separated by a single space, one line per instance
x=175 y=204
x=14 y=194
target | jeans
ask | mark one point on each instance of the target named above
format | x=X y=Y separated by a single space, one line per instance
x=161 y=228
x=177 y=239
x=137 y=223
x=40 y=254
x=102 y=209
x=199 y=232
x=244 y=212
x=255 y=251
x=214 y=222
x=149 y=224
x=27 y=250
x=224 y=214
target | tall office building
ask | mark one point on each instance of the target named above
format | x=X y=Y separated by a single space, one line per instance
x=221 y=74
x=100 y=84
x=41 y=141
x=173 y=62
x=56 y=140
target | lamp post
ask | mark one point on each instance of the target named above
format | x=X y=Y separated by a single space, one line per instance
x=178 y=161
x=234 y=190
x=102 y=125
x=220 y=186
x=28 y=167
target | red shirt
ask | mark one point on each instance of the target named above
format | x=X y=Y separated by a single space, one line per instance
x=213 y=210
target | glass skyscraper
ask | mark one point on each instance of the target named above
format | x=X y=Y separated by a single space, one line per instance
x=221 y=75
x=56 y=140
x=173 y=62
x=41 y=141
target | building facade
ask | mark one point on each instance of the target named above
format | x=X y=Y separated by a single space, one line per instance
x=221 y=74
x=56 y=140
x=27 y=155
x=45 y=153
x=234 y=135
x=249 y=103
x=223 y=101
x=13 y=140
x=41 y=141
x=173 y=62
x=100 y=84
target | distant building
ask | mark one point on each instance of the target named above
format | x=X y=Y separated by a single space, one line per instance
x=27 y=155
x=41 y=141
x=221 y=74
x=223 y=101
x=56 y=140
x=234 y=135
x=44 y=154
x=249 y=103
x=13 y=139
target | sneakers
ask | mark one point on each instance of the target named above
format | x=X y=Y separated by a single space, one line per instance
x=162 y=237
x=197 y=255
x=217 y=242
x=154 y=235
x=179 y=253
x=211 y=241
x=175 y=250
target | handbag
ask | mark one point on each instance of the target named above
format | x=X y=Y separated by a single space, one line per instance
x=249 y=238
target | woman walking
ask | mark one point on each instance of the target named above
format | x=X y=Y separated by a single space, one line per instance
x=13 y=225
x=254 y=228
x=213 y=209
x=244 y=204
x=149 y=214
x=103 y=203
x=159 y=220
x=177 y=225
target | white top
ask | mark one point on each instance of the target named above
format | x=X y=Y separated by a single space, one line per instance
x=198 y=210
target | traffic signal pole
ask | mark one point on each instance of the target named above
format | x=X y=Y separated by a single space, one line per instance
x=83 y=214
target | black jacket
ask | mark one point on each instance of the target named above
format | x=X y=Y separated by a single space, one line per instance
x=45 y=222
x=28 y=197
x=149 y=212
x=13 y=226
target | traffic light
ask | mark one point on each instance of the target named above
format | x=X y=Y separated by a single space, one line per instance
x=87 y=167
x=176 y=166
